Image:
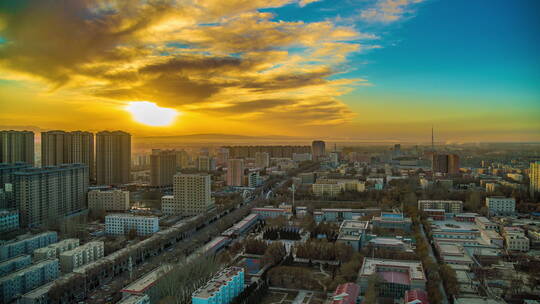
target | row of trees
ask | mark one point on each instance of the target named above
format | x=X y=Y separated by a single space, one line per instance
x=255 y=246
x=281 y=234
x=293 y=277
x=323 y=250
x=177 y=285
x=253 y=294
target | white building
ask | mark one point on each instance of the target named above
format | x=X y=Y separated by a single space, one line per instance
x=108 y=200
x=81 y=255
x=122 y=223
x=191 y=195
x=498 y=205
x=515 y=239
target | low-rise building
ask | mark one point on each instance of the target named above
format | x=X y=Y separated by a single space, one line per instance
x=416 y=296
x=389 y=243
x=389 y=220
x=515 y=239
x=122 y=223
x=448 y=205
x=26 y=244
x=499 y=205
x=9 y=220
x=14 y=264
x=397 y=276
x=353 y=233
x=54 y=250
x=135 y=299
x=333 y=187
x=82 y=255
x=346 y=294
x=271 y=212
x=28 y=278
x=108 y=200
x=146 y=285
x=222 y=288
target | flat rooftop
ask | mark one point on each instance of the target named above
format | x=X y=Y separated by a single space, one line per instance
x=370 y=266
x=17 y=258
x=29 y=268
x=132 y=299
x=216 y=282
x=350 y=224
x=141 y=285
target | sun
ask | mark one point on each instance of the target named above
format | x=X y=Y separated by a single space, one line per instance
x=149 y=113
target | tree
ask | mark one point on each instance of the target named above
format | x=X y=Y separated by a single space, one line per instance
x=274 y=253
x=450 y=280
x=132 y=234
x=372 y=291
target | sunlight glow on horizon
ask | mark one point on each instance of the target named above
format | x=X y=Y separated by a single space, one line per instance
x=149 y=113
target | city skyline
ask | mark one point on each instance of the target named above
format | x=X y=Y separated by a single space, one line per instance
x=372 y=70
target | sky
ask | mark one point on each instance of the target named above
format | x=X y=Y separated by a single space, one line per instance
x=335 y=69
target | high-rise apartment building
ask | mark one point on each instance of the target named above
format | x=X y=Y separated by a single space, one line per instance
x=182 y=159
x=192 y=195
x=60 y=147
x=445 y=163
x=453 y=164
x=17 y=146
x=222 y=156
x=113 y=157
x=534 y=177
x=45 y=194
x=162 y=167
x=262 y=159
x=318 y=148
x=7 y=199
x=206 y=163
x=235 y=172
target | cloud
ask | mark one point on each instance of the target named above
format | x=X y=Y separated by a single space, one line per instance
x=303 y=3
x=387 y=11
x=227 y=58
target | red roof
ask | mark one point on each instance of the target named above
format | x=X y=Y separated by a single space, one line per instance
x=416 y=296
x=346 y=294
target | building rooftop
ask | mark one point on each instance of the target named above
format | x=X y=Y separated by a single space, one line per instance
x=17 y=258
x=221 y=278
x=130 y=215
x=350 y=224
x=29 y=268
x=478 y=301
x=346 y=294
x=370 y=266
x=132 y=299
x=141 y=285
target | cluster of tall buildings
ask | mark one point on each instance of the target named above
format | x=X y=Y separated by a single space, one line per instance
x=69 y=161
x=17 y=146
x=109 y=163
